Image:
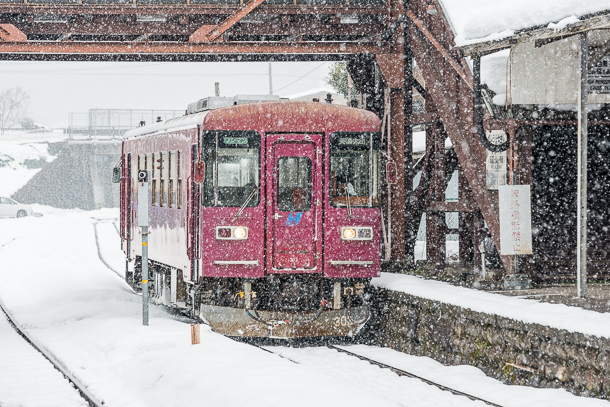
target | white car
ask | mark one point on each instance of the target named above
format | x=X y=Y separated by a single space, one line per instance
x=10 y=208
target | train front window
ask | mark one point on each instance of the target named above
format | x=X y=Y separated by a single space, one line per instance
x=294 y=184
x=232 y=168
x=354 y=169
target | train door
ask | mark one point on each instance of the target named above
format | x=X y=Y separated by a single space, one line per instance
x=294 y=196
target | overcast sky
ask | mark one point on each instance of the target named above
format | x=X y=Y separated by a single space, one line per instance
x=58 y=88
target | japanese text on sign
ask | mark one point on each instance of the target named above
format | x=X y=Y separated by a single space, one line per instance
x=496 y=162
x=515 y=219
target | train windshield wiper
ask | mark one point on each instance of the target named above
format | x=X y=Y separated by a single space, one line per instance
x=254 y=191
x=349 y=206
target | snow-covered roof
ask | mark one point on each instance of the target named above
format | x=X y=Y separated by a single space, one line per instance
x=187 y=121
x=475 y=21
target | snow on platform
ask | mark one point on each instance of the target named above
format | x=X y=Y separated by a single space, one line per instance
x=475 y=21
x=27 y=379
x=558 y=316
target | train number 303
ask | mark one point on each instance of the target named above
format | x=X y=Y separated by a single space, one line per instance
x=343 y=321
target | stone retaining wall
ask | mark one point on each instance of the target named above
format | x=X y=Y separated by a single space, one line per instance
x=80 y=177
x=511 y=351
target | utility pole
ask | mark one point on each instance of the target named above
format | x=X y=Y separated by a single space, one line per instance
x=270 y=80
x=144 y=223
x=581 y=201
x=216 y=89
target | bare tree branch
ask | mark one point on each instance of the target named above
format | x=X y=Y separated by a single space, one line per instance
x=13 y=105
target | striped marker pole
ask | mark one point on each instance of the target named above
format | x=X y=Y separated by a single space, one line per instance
x=145 y=275
x=144 y=223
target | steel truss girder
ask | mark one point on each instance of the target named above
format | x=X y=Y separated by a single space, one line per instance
x=323 y=49
x=174 y=57
x=122 y=28
x=7 y=9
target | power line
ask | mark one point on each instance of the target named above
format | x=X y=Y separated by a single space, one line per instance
x=319 y=66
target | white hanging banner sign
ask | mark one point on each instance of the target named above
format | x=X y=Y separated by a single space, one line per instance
x=495 y=162
x=515 y=219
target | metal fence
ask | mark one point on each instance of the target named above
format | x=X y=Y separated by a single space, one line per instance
x=113 y=123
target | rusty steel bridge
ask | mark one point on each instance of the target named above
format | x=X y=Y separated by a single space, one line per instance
x=381 y=41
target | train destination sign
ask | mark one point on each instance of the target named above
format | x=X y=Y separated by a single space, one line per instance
x=235 y=140
x=352 y=141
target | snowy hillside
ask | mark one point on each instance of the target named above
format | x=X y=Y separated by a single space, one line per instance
x=19 y=162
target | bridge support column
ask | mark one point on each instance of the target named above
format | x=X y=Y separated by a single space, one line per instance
x=397 y=71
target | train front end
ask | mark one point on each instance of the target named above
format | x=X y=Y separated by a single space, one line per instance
x=290 y=231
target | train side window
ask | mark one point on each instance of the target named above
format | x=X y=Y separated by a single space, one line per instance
x=171 y=162
x=178 y=182
x=354 y=169
x=162 y=169
x=153 y=188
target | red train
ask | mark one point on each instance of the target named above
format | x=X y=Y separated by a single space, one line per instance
x=265 y=217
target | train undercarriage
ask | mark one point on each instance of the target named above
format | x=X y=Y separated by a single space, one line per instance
x=274 y=306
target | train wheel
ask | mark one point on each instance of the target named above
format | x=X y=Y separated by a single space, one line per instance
x=21 y=214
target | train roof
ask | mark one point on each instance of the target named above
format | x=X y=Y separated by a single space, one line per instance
x=276 y=116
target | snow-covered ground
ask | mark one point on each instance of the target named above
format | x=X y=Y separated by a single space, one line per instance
x=467 y=379
x=13 y=173
x=57 y=288
x=27 y=378
x=559 y=316
x=53 y=282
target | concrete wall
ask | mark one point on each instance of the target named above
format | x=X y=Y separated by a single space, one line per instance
x=454 y=336
x=80 y=177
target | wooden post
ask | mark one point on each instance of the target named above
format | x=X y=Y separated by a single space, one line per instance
x=581 y=239
x=436 y=237
x=195 y=334
x=466 y=228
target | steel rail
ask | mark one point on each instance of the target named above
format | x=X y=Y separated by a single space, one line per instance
x=80 y=387
x=401 y=372
x=99 y=252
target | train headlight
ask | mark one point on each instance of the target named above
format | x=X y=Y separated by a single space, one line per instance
x=240 y=233
x=349 y=233
x=231 y=232
x=357 y=233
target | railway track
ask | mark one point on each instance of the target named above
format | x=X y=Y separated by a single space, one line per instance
x=78 y=385
x=399 y=372
x=99 y=251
